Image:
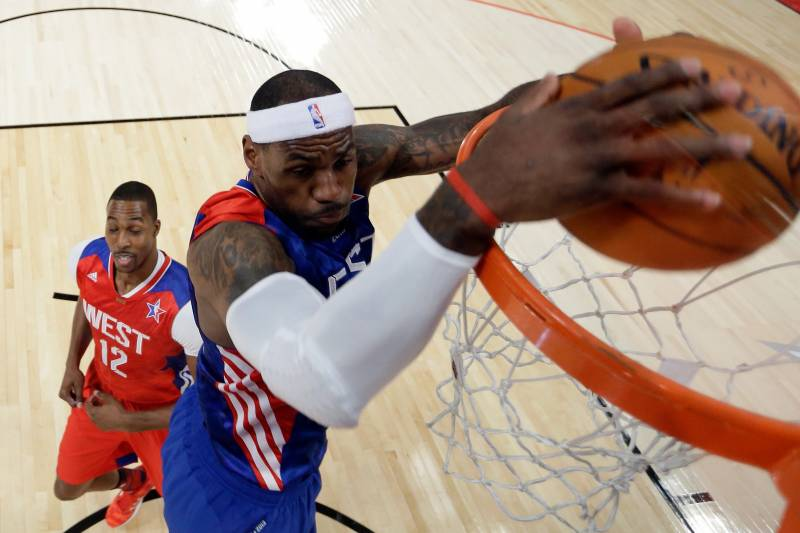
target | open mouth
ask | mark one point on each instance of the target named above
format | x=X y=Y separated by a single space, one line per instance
x=123 y=260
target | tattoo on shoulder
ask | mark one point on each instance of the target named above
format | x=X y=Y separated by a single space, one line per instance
x=234 y=256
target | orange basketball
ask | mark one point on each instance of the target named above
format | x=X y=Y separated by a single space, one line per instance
x=760 y=195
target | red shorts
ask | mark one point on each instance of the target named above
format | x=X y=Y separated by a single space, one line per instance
x=86 y=452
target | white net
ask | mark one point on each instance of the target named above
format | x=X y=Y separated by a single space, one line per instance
x=545 y=446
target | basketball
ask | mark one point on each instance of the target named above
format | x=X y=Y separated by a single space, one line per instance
x=760 y=194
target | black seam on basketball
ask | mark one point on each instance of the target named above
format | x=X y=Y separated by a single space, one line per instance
x=686 y=237
x=587 y=79
x=741 y=58
x=701 y=125
x=787 y=196
x=697 y=122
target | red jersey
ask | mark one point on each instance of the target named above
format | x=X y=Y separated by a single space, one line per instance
x=141 y=339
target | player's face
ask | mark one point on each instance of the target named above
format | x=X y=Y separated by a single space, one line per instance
x=130 y=234
x=308 y=182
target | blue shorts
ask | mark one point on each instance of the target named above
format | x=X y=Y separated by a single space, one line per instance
x=200 y=494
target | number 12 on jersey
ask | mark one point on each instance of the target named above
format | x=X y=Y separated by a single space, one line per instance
x=121 y=358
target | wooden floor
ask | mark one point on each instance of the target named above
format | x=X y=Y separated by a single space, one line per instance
x=425 y=58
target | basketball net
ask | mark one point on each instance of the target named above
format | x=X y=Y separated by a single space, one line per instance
x=546 y=444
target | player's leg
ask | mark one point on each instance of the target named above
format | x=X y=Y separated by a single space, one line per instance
x=89 y=459
x=66 y=491
x=147 y=446
x=297 y=512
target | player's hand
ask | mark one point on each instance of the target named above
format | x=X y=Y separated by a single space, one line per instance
x=538 y=163
x=106 y=412
x=626 y=31
x=71 y=390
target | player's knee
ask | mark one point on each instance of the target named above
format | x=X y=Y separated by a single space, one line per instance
x=65 y=492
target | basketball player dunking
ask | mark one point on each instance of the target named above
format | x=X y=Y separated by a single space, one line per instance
x=299 y=334
x=134 y=304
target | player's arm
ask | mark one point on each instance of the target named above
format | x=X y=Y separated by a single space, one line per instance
x=109 y=415
x=224 y=263
x=71 y=390
x=387 y=152
x=135 y=421
x=191 y=362
x=329 y=358
x=185 y=333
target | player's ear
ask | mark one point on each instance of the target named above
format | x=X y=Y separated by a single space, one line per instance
x=249 y=152
x=157 y=225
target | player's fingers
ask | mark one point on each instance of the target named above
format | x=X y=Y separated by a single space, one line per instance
x=538 y=95
x=666 y=106
x=69 y=394
x=64 y=394
x=95 y=399
x=649 y=191
x=662 y=148
x=626 y=30
x=639 y=84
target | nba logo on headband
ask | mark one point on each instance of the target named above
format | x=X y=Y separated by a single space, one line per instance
x=316 y=116
x=290 y=121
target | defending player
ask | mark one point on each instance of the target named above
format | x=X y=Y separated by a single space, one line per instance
x=134 y=304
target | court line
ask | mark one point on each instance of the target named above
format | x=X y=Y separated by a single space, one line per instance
x=99 y=515
x=151 y=12
x=543 y=18
x=396 y=109
x=670 y=500
x=181 y=117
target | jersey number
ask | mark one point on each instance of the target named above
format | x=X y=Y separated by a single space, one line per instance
x=121 y=358
x=185 y=376
x=351 y=266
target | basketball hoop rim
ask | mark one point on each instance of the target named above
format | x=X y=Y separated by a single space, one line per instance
x=674 y=409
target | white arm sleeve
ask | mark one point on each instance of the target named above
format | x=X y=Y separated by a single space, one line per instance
x=185 y=332
x=75 y=256
x=327 y=359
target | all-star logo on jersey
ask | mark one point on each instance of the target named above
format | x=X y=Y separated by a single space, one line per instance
x=154 y=310
x=92 y=276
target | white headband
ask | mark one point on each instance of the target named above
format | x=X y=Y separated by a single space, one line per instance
x=297 y=120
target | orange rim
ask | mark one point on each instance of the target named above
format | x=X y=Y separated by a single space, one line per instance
x=666 y=405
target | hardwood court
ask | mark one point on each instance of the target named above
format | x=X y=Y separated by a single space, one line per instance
x=428 y=58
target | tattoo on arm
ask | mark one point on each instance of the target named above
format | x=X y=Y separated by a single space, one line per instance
x=386 y=152
x=234 y=256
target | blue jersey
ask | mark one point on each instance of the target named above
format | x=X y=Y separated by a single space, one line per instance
x=255 y=434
